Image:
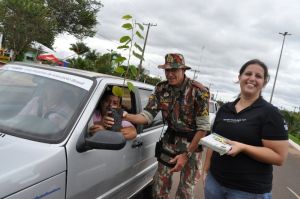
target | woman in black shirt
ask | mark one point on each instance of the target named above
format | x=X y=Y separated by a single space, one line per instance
x=258 y=137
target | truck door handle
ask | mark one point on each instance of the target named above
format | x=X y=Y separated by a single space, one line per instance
x=137 y=143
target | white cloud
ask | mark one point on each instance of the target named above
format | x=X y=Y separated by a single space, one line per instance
x=216 y=37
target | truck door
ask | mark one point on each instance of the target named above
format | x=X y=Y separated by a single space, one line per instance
x=101 y=173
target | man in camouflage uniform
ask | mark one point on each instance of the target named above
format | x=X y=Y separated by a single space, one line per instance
x=184 y=106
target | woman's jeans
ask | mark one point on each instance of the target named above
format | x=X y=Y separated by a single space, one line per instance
x=213 y=190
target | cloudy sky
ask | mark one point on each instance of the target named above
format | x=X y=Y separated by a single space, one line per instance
x=216 y=37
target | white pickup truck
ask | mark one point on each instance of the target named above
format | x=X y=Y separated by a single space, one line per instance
x=47 y=158
x=213 y=108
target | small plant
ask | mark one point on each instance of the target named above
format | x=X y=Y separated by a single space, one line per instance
x=129 y=45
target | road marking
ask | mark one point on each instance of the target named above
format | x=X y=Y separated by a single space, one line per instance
x=298 y=197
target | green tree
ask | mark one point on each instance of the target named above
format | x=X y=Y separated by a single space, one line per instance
x=77 y=17
x=81 y=63
x=92 y=55
x=23 y=22
x=293 y=121
x=80 y=48
x=104 y=64
x=150 y=80
x=92 y=61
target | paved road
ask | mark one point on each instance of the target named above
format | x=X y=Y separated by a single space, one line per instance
x=286 y=183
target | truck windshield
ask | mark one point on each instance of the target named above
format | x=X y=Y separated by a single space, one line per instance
x=38 y=105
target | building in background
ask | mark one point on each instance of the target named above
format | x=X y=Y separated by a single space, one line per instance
x=4 y=54
x=36 y=53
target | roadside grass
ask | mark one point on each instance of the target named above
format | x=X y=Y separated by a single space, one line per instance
x=295 y=139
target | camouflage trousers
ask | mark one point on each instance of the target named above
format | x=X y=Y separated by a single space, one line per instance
x=189 y=175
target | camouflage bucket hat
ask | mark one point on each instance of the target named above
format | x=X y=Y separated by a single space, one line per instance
x=174 y=60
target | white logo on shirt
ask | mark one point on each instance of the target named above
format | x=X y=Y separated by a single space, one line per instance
x=229 y=120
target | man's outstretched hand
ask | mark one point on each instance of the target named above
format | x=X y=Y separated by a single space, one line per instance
x=180 y=161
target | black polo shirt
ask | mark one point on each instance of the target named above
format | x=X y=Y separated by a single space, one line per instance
x=259 y=121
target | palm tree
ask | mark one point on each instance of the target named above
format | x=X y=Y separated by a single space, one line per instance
x=103 y=64
x=92 y=55
x=79 y=48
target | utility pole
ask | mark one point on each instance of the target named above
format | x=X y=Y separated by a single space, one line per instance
x=284 y=34
x=195 y=73
x=144 y=47
x=217 y=95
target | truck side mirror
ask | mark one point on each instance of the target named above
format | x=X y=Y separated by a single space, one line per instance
x=108 y=140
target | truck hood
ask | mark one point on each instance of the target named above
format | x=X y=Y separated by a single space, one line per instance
x=24 y=163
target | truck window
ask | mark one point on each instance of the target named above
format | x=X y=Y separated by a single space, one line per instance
x=127 y=104
x=144 y=94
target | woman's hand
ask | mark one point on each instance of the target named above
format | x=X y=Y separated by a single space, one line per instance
x=236 y=147
x=272 y=152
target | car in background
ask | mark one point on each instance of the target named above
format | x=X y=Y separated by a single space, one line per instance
x=58 y=159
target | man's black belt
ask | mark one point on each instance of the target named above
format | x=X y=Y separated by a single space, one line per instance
x=189 y=135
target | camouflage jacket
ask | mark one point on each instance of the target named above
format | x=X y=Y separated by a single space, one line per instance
x=184 y=108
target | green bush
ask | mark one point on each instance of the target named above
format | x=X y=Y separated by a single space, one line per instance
x=294 y=138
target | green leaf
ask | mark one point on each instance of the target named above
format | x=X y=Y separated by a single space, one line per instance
x=139 y=35
x=140 y=26
x=120 y=59
x=131 y=87
x=137 y=55
x=127 y=17
x=120 y=70
x=133 y=70
x=126 y=44
x=127 y=26
x=122 y=47
x=117 y=91
x=125 y=39
x=138 y=47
